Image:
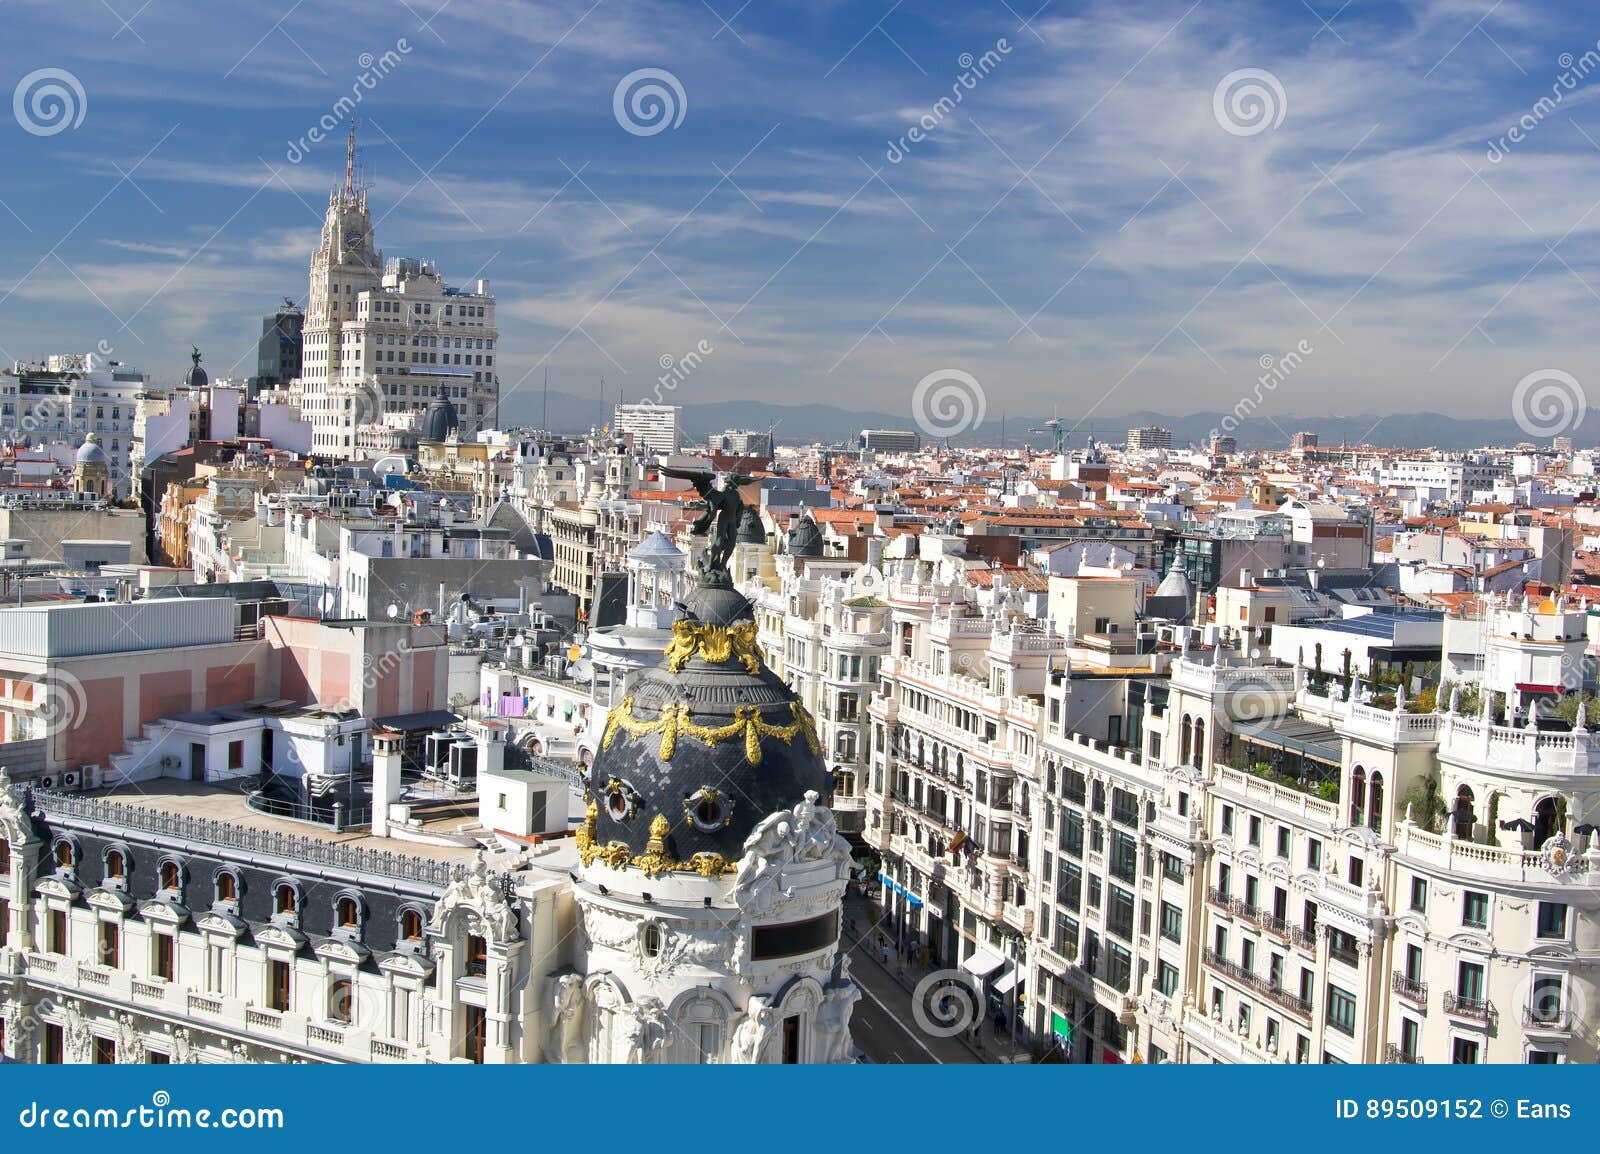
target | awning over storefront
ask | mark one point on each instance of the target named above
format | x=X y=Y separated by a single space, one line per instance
x=983 y=962
x=1007 y=981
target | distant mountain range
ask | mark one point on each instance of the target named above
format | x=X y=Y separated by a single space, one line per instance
x=807 y=424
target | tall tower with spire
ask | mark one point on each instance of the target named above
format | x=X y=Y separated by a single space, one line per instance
x=386 y=342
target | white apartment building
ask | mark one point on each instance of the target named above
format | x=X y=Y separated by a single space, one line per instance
x=389 y=338
x=658 y=428
x=65 y=398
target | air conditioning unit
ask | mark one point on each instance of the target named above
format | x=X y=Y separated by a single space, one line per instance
x=47 y=782
x=69 y=779
x=170 y=762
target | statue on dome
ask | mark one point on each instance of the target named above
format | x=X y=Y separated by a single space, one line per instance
x=724 y=512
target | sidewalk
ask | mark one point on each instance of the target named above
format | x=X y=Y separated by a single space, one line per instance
x=896 y=982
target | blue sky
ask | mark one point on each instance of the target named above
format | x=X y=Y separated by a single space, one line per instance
x=1082 y=233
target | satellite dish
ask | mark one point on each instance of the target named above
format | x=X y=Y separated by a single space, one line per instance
x=393 y=610
x=389 y=466
x=330 y=602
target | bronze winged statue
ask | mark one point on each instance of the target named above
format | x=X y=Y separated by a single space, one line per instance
x=724 y=508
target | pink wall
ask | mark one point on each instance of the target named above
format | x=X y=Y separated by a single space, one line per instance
x=333 y=686
x=95 y=736
x=229 y=685
x=163 y=694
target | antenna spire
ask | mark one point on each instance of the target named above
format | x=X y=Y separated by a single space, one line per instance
x=350 y=163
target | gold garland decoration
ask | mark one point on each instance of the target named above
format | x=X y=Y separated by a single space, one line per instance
x=715 y=643
x=655 y=861
x=675 y=721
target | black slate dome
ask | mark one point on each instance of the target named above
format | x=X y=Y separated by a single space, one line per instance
x=440 y=420
x=700 y=749
x=805 y=539
x=196 y=377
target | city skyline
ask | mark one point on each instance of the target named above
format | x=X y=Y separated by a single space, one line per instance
x=1175 y=196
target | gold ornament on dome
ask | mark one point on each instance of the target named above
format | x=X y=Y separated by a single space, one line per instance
x=675 y=720
x=655 y=861
x=715 y=644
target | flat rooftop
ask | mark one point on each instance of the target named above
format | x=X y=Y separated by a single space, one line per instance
x=225 y=803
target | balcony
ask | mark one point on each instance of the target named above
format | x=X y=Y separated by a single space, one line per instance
x=1393 y=1055
x=1410 y=989
x=1274 y=993
x=1478 y=1009
x=1547 y=1020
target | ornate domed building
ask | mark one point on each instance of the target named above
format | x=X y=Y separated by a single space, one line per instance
x=91 y=468
x=712 y=872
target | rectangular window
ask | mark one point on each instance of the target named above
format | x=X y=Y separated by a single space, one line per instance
x=1119 y=913
x=1171 y=922
x=1284 y=838
x=110 y=945
x=791 y=1040
x=1254 y=834
x=278 y=985
x=1227 y=819
x=474 y=1034
x=54 y=1048
x=1123 y=860
x=1464 y=1052
x=1341 y=1010
x=1552 y=919
x=163 y=962
x=1171 y=867
x=1166 y=978
x=105 y=1052
x=1469 y=982
x=1419 y=895
x=1475 y=909
x=57 y=921
x=1314 y=854
x=477 y=956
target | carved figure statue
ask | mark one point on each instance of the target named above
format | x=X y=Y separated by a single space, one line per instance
x=754 y=1032
x=724 y=509
x=567 y=1017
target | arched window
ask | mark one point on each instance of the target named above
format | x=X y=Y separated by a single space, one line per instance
x=116 y=866
x=410 y=926
x=1186 y=744
x=283 y=899
x=1375 y=802
x=341 y=998
x=1358 y=795
x=171 y=876
x=1464 y=818
x=1546 y=821
x=1199 y=761
x=64 y=855
x=652 y=940
x=227 y=887
x=347 y=913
